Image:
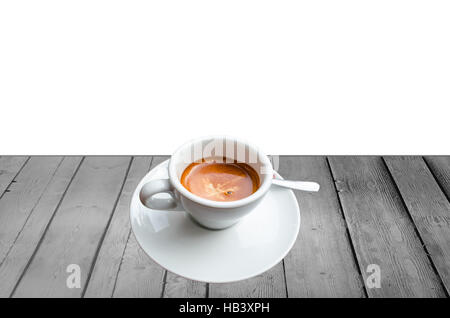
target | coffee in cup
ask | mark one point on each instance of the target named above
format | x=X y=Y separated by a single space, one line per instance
x=218 y=180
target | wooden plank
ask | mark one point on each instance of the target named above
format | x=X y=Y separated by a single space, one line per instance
x=270 y=284
x=22 y=196
x=179 y=287
x=381 y=230
x=440 y=167
x=76 y=230
x=109 y=258
x=19 y=255
x=9 y=167
x=321 y=263
x=428 y=207
x=139 y=276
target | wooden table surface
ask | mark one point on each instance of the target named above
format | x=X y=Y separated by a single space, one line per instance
x=393 y=212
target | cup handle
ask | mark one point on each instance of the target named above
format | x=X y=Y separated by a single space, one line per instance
x=154 y=187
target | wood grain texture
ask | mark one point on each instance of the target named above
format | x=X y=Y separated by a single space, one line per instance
x=16 y=260
x=9 y=167
x=138 y=275
x=22 y=196
x=428 y=207
x=55 y=212
x=107 y=265
x=321 y=263
x=440 y=167
x=268 y=284
x=76 y=230
x=381 y=229
x=179 y=287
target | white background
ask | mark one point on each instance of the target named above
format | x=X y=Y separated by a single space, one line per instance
x=294 y=77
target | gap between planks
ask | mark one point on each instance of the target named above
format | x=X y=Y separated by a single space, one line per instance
x=354 y=254
x=14 y=178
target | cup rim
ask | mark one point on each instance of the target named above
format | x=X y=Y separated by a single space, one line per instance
x=263 y=188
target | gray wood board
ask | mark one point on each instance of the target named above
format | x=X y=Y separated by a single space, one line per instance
x=107 y=265
x=55 y=212
x=9 y=168
x=138 y=276
x=381 y=230
x=76 y=230
x=440 y=167
x=428 y=207
x=177 y=286
x=19 y=255
x=321 y=263
x=270 y=284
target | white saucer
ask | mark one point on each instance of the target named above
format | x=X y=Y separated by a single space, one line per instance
x=249 y=248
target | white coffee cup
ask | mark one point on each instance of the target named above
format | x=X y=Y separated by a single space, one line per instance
x=209 y=213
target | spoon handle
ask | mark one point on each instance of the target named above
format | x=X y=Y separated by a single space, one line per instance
x=298 y=185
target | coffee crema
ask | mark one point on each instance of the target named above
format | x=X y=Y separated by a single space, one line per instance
x=220 y=181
